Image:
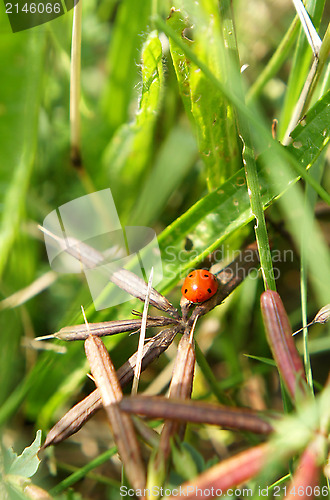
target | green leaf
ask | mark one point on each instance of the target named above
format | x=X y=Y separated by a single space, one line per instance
x=180 y=61
x=260 y=133
x=228 y=66
x=26 y=464
x=14 y=491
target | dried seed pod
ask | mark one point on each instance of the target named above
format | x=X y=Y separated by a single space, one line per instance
x=135 y=286
x=321 y=317
x=279 y=336
x=242 y=419
x=184 y=367
x=180 y=388
x=122 y=427
x=228 y=473
x=307 y=474
x=81 y=332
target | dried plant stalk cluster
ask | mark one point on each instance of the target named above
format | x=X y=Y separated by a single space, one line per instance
x=178 y=409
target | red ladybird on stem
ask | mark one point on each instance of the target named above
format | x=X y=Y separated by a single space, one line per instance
x=199 y=286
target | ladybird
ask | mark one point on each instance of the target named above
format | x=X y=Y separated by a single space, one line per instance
x=199 y=286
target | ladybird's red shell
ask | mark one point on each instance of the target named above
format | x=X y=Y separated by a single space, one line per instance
x=199 y=286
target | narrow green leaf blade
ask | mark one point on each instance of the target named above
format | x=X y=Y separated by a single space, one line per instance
x=216 y=131
x=300 y=66
x=176 y=155
x=122 y=60
x=130 y=150
x=18 y=149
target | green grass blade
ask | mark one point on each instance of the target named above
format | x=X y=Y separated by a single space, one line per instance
x=310 y=201
x=318 y=117
x=126 y=44
x=83 y=471
x=266 y=361
x=300 y=66
x=216 y=131
x=173 y=161
x=130 y=149
x=9 y=407
x=275 y=62
x=19 y=148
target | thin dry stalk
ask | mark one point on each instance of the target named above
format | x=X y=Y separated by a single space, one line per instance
x=322 y=316
x=111 y=394
x=180 y=388
x=137 y=370
x=81 y=332
x=243 y=419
